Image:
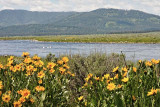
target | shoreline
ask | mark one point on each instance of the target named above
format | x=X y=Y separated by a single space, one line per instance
x=131 y=38
x=34 y=40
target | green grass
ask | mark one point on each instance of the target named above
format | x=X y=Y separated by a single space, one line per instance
x=96 y=63
x=152 y=37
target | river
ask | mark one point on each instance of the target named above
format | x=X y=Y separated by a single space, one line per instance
x=132 y=51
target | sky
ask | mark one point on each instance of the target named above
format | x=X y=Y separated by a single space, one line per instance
x=149 y=6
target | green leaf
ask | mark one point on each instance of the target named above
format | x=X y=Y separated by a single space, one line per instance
x=118 y=100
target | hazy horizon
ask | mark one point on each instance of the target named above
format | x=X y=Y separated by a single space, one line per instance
x=78 y=11
x=148 y=6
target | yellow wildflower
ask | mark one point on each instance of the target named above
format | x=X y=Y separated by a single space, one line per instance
x=22 y=99
x=90 y=75
x=119 y=86
x=155 y=61
x=106 y=76
x=44 y=69
x=69 y=72
x=39 y=88
x=65 y=59
x=134 y=69
x=62 y=70
x=51 y=70
x=140 y=61
x=85 y=85
x=115 y=69
x=17 y=104
x=40 y=81
x=25 y=93
x=124 y=69
x=30 y=68
x=32 y=100
x=152 y=92
x=111 y=86
x=73 y=75
x=133 y=98
x=6 y=98
x=125 y=74
x=38 y=63
x=1 y=85
x=19 y=92
x=36 y=58
x=86 y=79
x=41 y=63
x=51 y=65
x=85 y=104
x=8 y=92
x=27 y=60
x=10 y=63
x=66 y=66
x=108 y=81
x=17 y=67
x=25 y=54
x=125 y=79
x=148 y=63
x=60 y=62
x=96 y=78
x=111 y=79
x=140 y=80
x=1 y=66
x=10 y=58
x=80 y=98
x=91 y=82
x=102 y=78
x=116 y=76
x=41 y=74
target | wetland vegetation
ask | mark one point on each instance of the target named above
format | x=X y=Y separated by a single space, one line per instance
x=152 y=37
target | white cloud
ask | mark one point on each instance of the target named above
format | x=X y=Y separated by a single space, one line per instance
x=151 y=6
x=5 y=7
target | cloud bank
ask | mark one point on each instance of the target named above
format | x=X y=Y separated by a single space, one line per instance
x=150 y=6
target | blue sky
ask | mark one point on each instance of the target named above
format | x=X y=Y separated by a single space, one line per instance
x=150 y=6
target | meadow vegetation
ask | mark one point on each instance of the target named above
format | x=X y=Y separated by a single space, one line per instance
x=96 y=80
x=152 y=37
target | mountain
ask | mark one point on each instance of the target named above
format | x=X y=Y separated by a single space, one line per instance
x=100 y=21
x=24 y=17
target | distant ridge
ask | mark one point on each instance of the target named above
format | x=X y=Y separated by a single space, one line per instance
x=100 y=21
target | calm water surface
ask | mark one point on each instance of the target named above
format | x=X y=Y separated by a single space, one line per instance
x=132 y=51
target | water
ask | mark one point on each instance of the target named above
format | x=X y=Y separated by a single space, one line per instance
x=132 y=51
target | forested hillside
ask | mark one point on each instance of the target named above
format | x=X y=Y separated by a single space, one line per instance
x=100 y=21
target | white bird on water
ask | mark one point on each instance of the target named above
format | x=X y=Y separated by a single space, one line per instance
x=47 y=47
